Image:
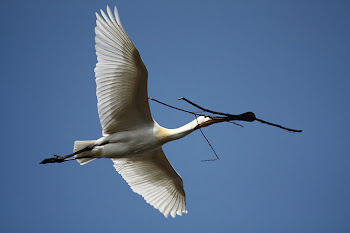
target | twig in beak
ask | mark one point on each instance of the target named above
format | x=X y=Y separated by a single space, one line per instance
x=248 y=116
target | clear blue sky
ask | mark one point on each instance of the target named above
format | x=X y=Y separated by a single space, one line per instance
x=287 y=61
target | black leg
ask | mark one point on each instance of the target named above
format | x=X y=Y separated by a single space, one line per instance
x=60 y=159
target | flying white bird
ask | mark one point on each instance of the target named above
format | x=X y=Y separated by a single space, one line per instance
x=131 y=138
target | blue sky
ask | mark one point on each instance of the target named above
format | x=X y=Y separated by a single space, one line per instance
x=287 y=61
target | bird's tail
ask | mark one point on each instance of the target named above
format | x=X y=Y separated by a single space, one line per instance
x=79 y=145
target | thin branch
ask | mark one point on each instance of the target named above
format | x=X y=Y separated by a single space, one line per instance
x=225 y=117
x=279 y=126
x=212 y=148
x=235 y=123
x=217 y=157
x=242 y=117
x=172 y=106
x=203 y=109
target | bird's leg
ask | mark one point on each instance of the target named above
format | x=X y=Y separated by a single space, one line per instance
x=60 y=159
x=80 y=157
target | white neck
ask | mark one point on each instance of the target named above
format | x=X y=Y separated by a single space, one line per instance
x=167 y=135
x=182 y=131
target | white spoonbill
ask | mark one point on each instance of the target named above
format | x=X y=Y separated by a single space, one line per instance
x=131 y=138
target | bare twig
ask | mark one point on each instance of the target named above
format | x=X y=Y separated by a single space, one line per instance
x=235 y=123
x=172 y=106
x=212 y=148
x=203 y=109
x=279 y=126
x=241 y=117
x=224 y=117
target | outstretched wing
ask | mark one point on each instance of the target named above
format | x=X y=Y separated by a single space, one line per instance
x=152 y=176
x=121 y=77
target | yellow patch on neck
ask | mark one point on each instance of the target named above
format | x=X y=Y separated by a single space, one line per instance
x=163 y=133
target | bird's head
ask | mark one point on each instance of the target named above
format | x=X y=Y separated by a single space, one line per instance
x=203 y=121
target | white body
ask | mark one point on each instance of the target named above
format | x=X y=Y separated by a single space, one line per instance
x=131 y=138
x=135 y=142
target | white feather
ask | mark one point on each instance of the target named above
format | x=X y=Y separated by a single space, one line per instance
x=152 y=176
x=121 y=78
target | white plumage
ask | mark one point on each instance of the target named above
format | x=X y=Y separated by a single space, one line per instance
x=121 y=77
x=155 y=179
x=131 y=138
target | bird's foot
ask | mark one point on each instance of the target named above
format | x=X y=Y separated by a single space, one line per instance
x=55 y=159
